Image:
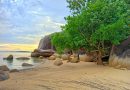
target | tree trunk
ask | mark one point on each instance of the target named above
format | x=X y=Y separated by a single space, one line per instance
x=112 y=50
x=99 y=61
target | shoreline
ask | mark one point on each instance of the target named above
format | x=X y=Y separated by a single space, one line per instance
x=69 y=76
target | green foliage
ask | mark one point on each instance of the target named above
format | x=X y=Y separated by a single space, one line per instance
x=113 y=33
x=107 y=20
x=92 y=24
x=63 y=40
x=127 y=1
x=102 y=20
x=76 y=5
x=57 y=40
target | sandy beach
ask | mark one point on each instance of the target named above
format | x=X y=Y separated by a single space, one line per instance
x=69 y=76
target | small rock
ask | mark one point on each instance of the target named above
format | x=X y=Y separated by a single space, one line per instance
x=26 y=64
x=68 y=61
x=65 y=57
x=52 y=57
x=123 y=68
x=35 y=54
x=118 y=66
x=85 y=58
x=4 y=68
x=4 y=58
x=41 y=57
x=14 y=70
x=36 y=50
x=128 y=68
x=3 y=75
x=57 y=55
x=22 y=58
x=74 y=60
x=10 y=57
x=58 y=62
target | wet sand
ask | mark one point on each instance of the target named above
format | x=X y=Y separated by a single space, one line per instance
x=69 y=76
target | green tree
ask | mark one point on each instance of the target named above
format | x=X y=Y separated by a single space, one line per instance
x=92 y=24
x=76 y=6
x=98 y=22
x=66 y=40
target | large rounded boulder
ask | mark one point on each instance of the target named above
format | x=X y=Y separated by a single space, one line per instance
x=45 y=47
x=3 y=75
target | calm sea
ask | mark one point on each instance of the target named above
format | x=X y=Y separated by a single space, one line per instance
x=17 y=64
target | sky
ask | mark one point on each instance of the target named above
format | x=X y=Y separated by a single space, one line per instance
x=24 y=22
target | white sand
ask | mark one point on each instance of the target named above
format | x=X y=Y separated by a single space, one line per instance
x=69 y=76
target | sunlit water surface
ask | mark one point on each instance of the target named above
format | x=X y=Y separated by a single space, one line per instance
x=17 y=64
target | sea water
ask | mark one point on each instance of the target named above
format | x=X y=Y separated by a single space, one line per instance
x=17 y=64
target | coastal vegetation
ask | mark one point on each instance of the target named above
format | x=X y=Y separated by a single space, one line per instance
x=93 y=25
x=95 y=31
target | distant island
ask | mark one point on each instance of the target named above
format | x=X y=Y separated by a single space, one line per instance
x=17 y=51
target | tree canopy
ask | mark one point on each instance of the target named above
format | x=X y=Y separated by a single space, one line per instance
x=94 y=23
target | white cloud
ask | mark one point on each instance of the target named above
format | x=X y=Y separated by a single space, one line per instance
x=27 y=21
x=39 y=30
x=48 y=25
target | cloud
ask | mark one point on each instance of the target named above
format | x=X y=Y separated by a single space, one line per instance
x=49 y=25
x=42 y=28
x=31 y=35
x=27 y=21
